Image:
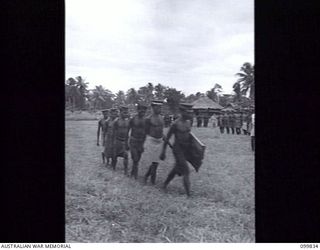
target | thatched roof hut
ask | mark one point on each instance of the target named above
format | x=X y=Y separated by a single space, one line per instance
x=230 y=107
x=206 y=103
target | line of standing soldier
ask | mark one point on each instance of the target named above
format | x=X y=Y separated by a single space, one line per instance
x=231 y=122
x=121 y=134
x=203 y=119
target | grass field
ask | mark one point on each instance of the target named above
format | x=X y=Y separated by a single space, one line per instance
x=81 y=115
x=103 y=205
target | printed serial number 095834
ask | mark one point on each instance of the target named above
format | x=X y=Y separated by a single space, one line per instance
x=308 y=245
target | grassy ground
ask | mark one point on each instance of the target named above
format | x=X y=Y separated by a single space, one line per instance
x=81 y=115
x=105 y=206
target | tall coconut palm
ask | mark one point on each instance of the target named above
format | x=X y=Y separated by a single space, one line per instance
x=247 y=79
x=159 y=91
x=98 y=97
x=173 y=98
x=120 y=98
x=237 y=91
x=109 y=97
x=132 y=96
x=82 y=86
x=213 y=93
x=72 y=93
x=190 y=98
x=146 y=92
x=199 y=94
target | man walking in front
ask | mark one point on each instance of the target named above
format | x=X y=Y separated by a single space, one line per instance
x=108 y=138
x=219 y=125
x=101 y=127
x=154 y=132
x=232 y=121
x=181 y=129
x=226 y=121
x=238 y=123
x=252 y=132
x=120 y=139
x=137 y=125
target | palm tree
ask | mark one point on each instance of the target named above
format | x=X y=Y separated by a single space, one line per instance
x=132 y=96
x=120 y=98
x=146 y=92
x=82 y=86
x=247 y=79
x=72 y=93
x=98 y=97
x=213 y=93
x=109 y=98
x=199 y=94
x=173 y=98
x=237 y=91
x=190 y=98
x=159 y=91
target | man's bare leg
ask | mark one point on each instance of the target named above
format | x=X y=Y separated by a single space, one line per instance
x=125 y=164
x=170 y=177
x=134 y=170
x=114 y=163
x=154 y=172
x=103 y=157
x=186 y=184
x=147 y=174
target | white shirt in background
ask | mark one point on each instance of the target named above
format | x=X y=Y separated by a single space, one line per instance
x=253 y=123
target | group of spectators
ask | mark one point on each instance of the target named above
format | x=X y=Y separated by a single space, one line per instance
x=233 y=122
x=229 y=122
x=203 y=120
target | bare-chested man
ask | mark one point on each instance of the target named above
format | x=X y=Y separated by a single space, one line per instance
x=120 y=138
x=101 y=126
x=108 y=138
x=154 y=131
x=181 y=129
x=137 y=125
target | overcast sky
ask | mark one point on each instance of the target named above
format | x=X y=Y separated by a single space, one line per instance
x=186 y=44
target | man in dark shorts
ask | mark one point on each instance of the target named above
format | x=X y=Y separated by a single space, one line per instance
x=120 y=139
x=181 y=129
x=101 y=126
x=154 y=138
x=219 y=123
x=205 y=120
x=108 y=138
x=232 y=121
x=137 y=125
x=238 y=123
x=252 y=132
x=199 y=120
x=225 y=122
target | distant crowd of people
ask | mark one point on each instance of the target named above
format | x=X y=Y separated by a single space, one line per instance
x=229 y=122
x=233 y=122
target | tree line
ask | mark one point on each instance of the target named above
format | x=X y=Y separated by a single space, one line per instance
x=79 y=97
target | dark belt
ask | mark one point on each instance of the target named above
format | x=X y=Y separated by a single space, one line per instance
x=121 y=139
x=133 y=139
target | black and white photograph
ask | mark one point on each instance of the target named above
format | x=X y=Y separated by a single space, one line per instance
x=159 y=121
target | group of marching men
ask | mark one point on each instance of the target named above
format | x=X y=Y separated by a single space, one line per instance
x=121 y=134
